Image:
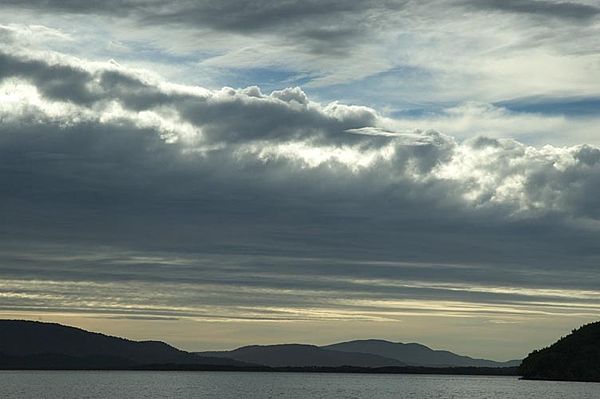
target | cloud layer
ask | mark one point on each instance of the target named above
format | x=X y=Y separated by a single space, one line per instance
x=126 y=195
x=395 y=53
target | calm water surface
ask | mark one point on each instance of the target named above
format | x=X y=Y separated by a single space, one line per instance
x=132 y=384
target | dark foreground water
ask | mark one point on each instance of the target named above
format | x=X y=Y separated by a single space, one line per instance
x=132 y=384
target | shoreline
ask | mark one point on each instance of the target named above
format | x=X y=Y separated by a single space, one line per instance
x=503 y=371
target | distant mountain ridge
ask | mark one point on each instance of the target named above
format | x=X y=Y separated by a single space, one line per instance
x=53 y=345
x=37 y=345
x=360 y=353
x=415 y=354
x=300 y=355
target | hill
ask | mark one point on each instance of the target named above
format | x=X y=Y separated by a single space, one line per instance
x=49 y=346
x=297 y=355
x=30 y=344
x=575 y=357
x=415 y=354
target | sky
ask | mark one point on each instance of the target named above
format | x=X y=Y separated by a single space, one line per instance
x=223 y=173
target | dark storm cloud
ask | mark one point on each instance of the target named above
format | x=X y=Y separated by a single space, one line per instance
x=329 y=21
x=322 y=26
x=227 y=14
x=554 y=9
x=270 y=197
x=117 y=7
x=55 y=81
x=284 y=114
x=253 y=16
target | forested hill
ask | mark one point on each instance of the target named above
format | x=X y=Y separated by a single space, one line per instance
x=575 y=357
x=34 y=345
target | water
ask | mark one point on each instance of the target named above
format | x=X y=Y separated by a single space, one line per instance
x=132 y=384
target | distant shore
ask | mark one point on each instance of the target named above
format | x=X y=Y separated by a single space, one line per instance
x=498 y=371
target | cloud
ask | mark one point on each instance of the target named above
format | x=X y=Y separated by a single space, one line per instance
x=555 y=9
x=283 y=127
x=295 y=20
x=539 y=127
x=125 y=195
x=383 y=53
